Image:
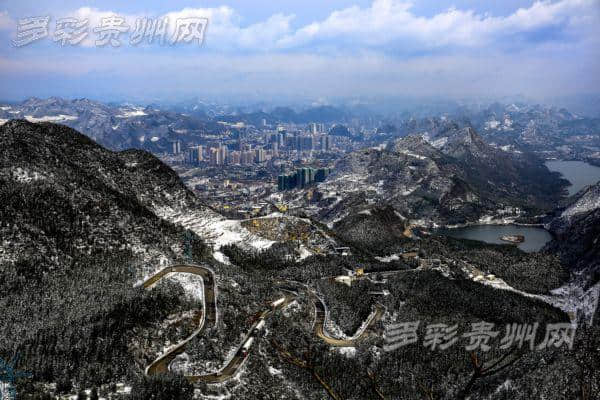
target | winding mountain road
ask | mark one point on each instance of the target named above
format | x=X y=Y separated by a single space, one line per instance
x=209 y=313
x=232 y=367
x=322 y=314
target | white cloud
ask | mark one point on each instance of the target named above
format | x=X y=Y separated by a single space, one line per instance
x=384 y=23
x=306 y=59
x=94 y=17
x=221 y=20
x=225 y=30
x=6 y=22
x=392 y=20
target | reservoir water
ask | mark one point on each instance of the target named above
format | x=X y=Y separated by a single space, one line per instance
x=579 y=173
x=535 y=237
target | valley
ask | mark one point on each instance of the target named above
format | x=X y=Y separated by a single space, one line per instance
x=236 y=305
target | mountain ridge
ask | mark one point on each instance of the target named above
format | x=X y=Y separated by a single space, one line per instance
x=447 y=176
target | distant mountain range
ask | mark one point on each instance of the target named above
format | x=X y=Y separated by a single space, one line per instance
x=116 y=127
x=550 y=132
x=320 y=114
x=554 y=132
x=120 y=127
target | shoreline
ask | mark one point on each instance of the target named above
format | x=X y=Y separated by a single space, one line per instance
x=494 y=222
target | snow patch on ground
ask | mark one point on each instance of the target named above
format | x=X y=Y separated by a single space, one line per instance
x=274 y=371
x=331 y=329
x=181 y=363
x=572 y=299
x=232 y=232
x=51 y=118
x=222 y=258
x=293 y=307
x=214 y=229
x=411 y=154
x=349 y=352
x=130 y=114
x=192 y=284
x=304 y=253
x=22 y=175
x=492 y=124
x=588 y=202
x=507 y=385
x=225 y=396
x=387 y=259
x=408 y=192
x=439 y=143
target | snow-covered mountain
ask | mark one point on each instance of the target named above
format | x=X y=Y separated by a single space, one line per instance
x=117 y=127
x=576 y=231
x=553 y=132
x=445 y=174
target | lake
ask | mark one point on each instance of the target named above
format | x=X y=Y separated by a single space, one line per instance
x=579 y=173
x=535 y=237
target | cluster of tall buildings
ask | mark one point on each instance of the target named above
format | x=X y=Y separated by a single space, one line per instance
x=300 y=142
x=221 y=155
x=303 y=177
x=218 y=155
x=315 y=128
x=176 y=147
x=196 y=154
x=268 y=145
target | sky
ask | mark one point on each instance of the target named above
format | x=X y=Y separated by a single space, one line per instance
x=319 y=50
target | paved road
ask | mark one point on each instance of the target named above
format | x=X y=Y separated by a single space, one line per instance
x=321 y=316
x=209 y=313
x=232 y=367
